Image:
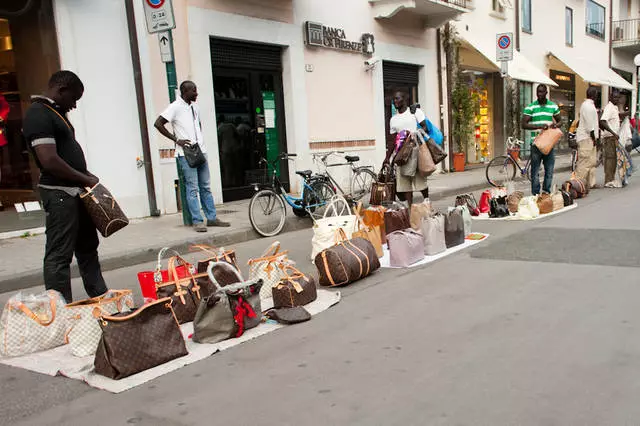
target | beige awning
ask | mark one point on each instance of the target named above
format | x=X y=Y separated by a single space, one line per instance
x=594 y=71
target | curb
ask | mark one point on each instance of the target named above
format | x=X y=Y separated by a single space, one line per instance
x=34 y=277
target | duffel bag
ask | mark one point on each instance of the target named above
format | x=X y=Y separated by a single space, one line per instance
x=296 y=289
x=545 y=203
x=346 y=262
x=576 y=187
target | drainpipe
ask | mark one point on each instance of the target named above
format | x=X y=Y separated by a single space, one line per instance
x=440 y=92
x=142 y=110
x=517 y=31
x=610 y=30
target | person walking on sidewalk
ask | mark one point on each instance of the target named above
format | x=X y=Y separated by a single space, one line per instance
x=610 y=126
x=405 y=120
x=184 y=116
x=63 y=171
x=540 y=115
x=587 y=136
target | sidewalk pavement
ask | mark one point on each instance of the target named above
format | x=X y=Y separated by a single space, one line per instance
x=21 y=260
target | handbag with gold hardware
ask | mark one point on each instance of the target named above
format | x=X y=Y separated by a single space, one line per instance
x=296 y=289
x=269 y=268
x=216 y=254
x=135 y=342
x=184 y=292
x=371 y=234
x=103 y=209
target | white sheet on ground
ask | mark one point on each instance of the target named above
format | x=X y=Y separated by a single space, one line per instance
x=485 y=216
x=60 y=361
x=384 y=260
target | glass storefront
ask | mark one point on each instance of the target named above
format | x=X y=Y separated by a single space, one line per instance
x=565 y=96
x=480 y=146
x=28 y=56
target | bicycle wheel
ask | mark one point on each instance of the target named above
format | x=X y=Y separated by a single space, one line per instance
x=361 y=183
x=316 y=199
x=501 y=170
x=267 y=212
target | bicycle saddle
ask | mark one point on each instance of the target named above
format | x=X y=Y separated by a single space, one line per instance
x=352 y=158
x=304 y=173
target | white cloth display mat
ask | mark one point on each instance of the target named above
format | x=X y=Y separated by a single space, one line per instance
x=485 y=216
x=60 y=361
x=384 y=260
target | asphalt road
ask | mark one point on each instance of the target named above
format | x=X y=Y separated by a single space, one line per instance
x=536 y=326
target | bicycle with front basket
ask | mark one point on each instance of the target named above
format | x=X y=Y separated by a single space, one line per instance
x=502 y=169
x=362 y=177
x=267 y=211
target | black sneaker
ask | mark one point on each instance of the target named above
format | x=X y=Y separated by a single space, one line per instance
x=218 y=222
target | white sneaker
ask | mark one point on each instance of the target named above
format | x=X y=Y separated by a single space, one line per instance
x=609 y=185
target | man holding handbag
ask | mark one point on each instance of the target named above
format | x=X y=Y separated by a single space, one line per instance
x=191 y=154
x=406 y=120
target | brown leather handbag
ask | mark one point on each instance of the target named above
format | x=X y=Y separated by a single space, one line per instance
x=296 y=289
x=367 y=232
x=103 y=209
x=396 y=218
x=558 y=201
x=346 y=262
x=513 y=200
x=135 y=342
x=383 y=191
x=545 y=203
x=223 y=276
x=373 y=217
x=407 y=149
x=184 y=292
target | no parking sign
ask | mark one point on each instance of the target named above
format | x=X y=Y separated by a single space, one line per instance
x=159 y=14
x=504 y=47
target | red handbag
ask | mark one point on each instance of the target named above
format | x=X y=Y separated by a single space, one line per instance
x=483 y=205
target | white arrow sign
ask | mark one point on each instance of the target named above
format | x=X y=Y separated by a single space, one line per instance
x=166 y=53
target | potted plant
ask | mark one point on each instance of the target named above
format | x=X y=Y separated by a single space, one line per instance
x=464 y=105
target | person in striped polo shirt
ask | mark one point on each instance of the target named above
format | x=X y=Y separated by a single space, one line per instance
x=540 y=115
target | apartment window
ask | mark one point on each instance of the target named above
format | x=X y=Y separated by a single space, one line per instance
x=595 y=19
x=526 y=15
x=497 y=6
x=568 y=29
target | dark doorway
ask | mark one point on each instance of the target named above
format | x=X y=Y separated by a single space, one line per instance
x=247 y=80
x=398 y=77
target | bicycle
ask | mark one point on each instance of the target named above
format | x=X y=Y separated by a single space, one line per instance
x=269 y=200
x=362 y=177
x=502 y=169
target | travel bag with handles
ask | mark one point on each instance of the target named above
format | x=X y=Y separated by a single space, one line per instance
x=373 y=217
x=396 y=218
x=406 y=247
x=270 y=268
x=576 y=187
x=433 y=235
x=228 y=312
x=437 y=153
x=410 y=167
x=296 y=289
x=215 y=254
x=470 y=201
x=545 y=203
x=337 y=216
x=558 y=201
x=547 y=140
x=372 y=234
x=454 y=228
x=426 y=165
x=419 y=211
x=184 y=292
x=566 y=197
x=528 y=208
x=513 y=200
x=149 y=279
x=104 y=210
x=407 y=149
x=32 y=323
x=347 y=261
x=137 y=341
x=383 y=190
x=83 y=331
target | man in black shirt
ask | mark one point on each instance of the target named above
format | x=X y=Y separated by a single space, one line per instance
x=69 y=229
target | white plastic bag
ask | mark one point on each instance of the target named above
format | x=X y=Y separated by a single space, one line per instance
x=528 y=208
x=337 y=215
x=32 y=323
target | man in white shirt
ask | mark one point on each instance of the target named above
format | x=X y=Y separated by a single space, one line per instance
x=610 y=126
x=184 y=116
x=405 y=120
x=587 y=137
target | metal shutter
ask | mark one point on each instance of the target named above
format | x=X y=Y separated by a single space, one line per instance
x=394 y=72
x=237 y=54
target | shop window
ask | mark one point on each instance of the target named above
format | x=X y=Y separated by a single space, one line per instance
x=595 y=24
x=479 y=148
x=526 y=16
x=526 y=97
x=568 y=30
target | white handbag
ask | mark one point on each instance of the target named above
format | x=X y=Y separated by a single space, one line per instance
x=336 y=216
x=83 y=331
x=528 y=208
x=270 y=268
x=32 y=323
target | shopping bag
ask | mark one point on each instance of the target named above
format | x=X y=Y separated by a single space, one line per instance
x=336 y=216
x=372 y=234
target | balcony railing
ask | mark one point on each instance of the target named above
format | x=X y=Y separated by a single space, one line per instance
x=461 y=3
x=596 y=29
x=626 y=31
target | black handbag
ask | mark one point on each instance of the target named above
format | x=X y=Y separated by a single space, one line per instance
x=499 y=207
x=194 y=156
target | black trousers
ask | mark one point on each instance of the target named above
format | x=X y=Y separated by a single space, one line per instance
x=70 y=231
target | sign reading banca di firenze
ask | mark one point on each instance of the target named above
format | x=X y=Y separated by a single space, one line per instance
x=335 y=38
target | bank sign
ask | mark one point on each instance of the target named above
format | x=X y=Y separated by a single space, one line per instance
x=319 y=35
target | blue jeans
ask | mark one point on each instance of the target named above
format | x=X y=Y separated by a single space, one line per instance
x=198 y=181
x=549 y=162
